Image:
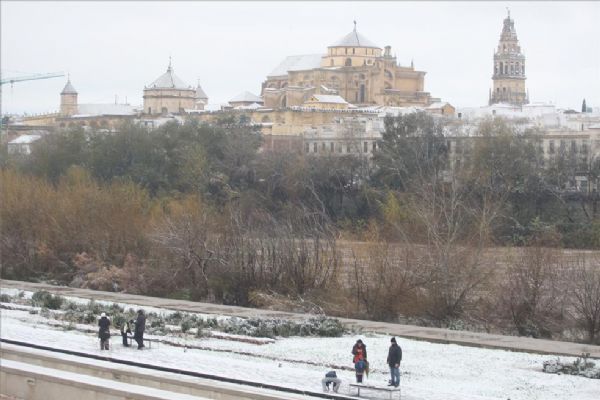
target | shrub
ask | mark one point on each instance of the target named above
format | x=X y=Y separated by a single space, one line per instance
x=186 y=325
x=4 y=298
x=45 y=299
x=157 y=322
x=94 y=307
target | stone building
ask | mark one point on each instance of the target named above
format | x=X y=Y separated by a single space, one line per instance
x=68 y=100
x=168 y=94
x=354 y=68
x=509 y=69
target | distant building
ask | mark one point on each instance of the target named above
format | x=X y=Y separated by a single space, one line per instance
x=168 y=94
x=22 y=144
x=354 y=68
x=68 y=100
x=509 y=69
x=326 y=101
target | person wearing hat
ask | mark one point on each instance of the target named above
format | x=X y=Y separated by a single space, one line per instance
x=104 y=331
x=359 y=351
x=394 y=358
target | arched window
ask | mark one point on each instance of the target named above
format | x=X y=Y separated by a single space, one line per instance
x=387 y=74
x=505 y=69
x=331 y=63
x=353 y=50
x=348 y=62
x=283 y=102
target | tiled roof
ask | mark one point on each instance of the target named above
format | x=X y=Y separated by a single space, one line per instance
x=328 y=98
x=200 y=94
x=246 y=97
x=354 y=39
x=297 y=63
x=69 y=89
x=168 y=80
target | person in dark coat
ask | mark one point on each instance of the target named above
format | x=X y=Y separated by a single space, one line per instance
x=125 y=330
x=359 y=351
x=393 y=359
x=140 y=327
x=104 y=331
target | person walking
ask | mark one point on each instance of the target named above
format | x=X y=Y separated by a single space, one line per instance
x=331 y=379
x=393 y=359
x=140 y=327
x=104 y=331
x=359 y=351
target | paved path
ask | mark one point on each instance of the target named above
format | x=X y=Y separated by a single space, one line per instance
x=513 y=343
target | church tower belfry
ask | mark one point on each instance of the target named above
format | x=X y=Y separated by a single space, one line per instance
x=509 y=68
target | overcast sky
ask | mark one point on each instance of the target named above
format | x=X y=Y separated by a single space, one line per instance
x=115 y=48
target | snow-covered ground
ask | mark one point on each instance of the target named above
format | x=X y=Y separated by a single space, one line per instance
x=430 y=371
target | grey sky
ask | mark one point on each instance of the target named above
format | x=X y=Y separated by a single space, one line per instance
x=115 y=48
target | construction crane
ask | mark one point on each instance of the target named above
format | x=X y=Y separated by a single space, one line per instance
x=30 y=78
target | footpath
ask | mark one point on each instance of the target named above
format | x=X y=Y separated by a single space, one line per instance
x=474 y=339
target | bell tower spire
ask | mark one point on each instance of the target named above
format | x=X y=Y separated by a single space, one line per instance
x=509 y=68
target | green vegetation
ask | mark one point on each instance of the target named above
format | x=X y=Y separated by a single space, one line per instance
x=194 y=211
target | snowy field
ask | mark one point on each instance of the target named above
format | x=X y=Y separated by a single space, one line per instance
x=430 y=371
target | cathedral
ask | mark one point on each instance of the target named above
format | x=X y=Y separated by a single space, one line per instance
x=509 y=69
x=355 y=68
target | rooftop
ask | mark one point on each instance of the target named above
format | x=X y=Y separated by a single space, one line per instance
x=69 y=89
x=297 y=63
x=354 y=39
x=246 y=97
x=25 y=139
x=328 y=98
x=168 y=80
x=104 y=109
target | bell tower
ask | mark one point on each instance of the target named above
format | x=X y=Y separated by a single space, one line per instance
x=509 y=68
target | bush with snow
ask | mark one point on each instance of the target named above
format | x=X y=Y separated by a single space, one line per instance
x=581 y=367
x=46 y=299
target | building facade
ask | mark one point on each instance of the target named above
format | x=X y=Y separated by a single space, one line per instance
x=509 y=69
x=168 y=94
x=354 y=68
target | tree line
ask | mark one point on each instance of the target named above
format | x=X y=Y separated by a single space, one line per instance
x=196 y=211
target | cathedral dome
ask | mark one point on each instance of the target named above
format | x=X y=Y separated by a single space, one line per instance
x=168 y=80
x=354 y=39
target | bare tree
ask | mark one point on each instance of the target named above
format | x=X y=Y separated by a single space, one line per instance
x=533 y=292
x=585 y=297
